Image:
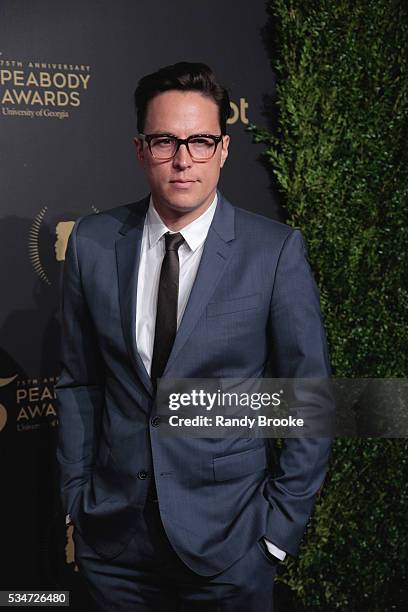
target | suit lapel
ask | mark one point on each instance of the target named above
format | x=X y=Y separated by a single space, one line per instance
x=128 y=248
x=218 y=248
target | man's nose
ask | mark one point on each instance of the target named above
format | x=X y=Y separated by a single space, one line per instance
x=182 y=158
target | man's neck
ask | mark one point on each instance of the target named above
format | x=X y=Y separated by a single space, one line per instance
x=176 y=220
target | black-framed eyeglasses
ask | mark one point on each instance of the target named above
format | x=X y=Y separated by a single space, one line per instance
x=201 y=147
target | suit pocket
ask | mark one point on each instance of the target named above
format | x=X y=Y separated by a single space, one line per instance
x=75 y=504
x=240 y=464
x=247 y=302
x=274 y=561
x=108 y=481
x=101 y=489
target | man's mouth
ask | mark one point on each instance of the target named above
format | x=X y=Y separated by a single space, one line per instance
x=182 y=183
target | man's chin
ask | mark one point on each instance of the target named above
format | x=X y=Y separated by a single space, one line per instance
x=184 y=203
x=183 y=207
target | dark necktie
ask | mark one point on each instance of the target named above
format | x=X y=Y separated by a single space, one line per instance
x=166 y=317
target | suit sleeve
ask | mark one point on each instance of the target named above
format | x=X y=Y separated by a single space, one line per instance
x=298 y=350
x=80 y=386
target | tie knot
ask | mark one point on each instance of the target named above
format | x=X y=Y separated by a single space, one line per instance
x=173 y=241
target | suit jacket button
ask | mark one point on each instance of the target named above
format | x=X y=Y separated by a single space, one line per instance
x=155 y=421
x=142 y=475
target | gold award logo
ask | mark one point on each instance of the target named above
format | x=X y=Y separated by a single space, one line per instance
x=37 y=89
x=3 y=412
x=70 y=548
x=33 y=402
x=61 y=233
x=63 y=230
x=3 y=417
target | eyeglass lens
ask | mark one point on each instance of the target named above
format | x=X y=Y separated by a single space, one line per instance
x=165 y=147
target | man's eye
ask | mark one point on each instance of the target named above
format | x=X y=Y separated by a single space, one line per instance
x=162 y=142
x=202 y=141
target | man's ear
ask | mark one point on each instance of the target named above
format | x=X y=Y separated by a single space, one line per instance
x=224 y=149
x=139 y=149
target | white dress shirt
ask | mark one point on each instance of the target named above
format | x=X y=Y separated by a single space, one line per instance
x=151 y=257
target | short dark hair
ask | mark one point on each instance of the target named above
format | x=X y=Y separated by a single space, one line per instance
x=183 y=76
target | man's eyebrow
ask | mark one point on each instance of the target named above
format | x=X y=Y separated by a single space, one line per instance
x=162 y=133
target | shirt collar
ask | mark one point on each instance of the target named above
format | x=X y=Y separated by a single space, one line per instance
x=194 y=233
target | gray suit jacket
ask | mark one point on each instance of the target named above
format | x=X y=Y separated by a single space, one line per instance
x=253 y=301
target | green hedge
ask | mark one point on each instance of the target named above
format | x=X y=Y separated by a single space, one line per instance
x=338 y=153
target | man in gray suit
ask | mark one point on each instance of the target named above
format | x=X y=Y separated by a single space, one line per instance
x=182 y=285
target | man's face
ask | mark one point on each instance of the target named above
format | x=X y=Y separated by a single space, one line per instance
x=181 y=185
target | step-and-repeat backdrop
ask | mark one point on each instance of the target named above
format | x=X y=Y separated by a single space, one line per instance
x=68 y=70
